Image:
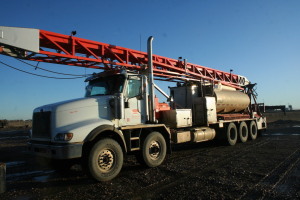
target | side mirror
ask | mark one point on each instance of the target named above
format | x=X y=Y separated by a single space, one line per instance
x=117 y=106
x=142 y=91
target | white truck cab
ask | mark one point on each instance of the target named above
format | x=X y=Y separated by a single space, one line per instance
x=114 y=110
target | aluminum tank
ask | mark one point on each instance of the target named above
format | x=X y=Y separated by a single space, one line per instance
x=229 y=100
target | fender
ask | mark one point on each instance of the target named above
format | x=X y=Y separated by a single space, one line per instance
x=103 y=128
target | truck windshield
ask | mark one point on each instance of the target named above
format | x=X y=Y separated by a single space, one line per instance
x=105 y=86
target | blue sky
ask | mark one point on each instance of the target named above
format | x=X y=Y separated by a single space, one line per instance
x=257 y=39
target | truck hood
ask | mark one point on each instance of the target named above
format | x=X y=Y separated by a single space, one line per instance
x=78 y=115
x=74 y=113
x=72 y=104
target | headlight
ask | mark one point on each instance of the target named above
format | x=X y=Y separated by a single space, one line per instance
x=63 y=137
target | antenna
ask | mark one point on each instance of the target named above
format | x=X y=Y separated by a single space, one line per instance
x=140 y=42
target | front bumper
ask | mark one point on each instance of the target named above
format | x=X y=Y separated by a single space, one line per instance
x=56 y=151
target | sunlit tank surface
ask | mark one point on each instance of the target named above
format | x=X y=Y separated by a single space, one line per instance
x=230 y=101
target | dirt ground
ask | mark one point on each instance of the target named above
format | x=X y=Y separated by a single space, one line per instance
x=267 y=168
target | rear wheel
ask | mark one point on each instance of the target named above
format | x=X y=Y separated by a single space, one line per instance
x=243 y=132
x=231 y=134
x=105 y=160
x=154 y=150
x=252 y=130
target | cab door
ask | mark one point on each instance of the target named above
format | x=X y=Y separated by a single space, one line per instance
x=134 y=101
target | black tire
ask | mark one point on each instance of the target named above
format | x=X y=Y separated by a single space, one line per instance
x=243 y=132
x=231 y=134
x=105 y=160
x=154 y=150
x=253 y=130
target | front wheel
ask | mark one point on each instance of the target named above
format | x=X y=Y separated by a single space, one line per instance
x=154 y=150
x=105 y=160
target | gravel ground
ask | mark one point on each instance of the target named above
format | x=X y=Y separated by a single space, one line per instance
x=267 y=168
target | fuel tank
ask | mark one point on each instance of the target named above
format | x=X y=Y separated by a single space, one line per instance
x=229 y=100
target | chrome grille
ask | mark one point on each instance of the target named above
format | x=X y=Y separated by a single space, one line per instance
x=41 y=125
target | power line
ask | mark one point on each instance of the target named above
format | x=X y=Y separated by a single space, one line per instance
x=37 y=74
x=36 y=67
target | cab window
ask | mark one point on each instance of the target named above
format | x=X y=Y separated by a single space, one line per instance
x=133 y=87
x=105 y=86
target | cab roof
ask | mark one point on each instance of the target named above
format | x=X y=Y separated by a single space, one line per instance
x=106 y=73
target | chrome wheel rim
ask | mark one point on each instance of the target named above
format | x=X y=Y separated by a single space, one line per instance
x=154 y=150
x=106 y=160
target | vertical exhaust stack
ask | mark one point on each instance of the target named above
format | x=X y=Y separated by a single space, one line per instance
x=151 y=81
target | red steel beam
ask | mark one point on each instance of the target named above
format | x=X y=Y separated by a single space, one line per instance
x=69 y=50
